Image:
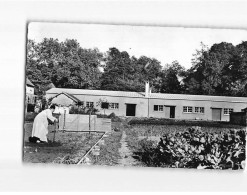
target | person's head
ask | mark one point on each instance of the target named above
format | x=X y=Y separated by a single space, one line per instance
x=52 y=107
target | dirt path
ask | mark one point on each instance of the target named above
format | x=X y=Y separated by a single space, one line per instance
x=126 y=155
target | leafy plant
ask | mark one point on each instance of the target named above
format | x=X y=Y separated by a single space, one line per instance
x=194 y=148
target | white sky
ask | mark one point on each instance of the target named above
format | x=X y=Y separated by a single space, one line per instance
x=166 y=44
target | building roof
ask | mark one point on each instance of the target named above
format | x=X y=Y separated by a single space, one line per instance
x=76 y=92
x=29 y=83
x=197 y=97
x=75 y=99
x=95 y=92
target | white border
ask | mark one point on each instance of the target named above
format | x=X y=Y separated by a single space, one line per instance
x=14 y=15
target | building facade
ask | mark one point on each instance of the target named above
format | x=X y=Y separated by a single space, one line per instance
x=147 y=104
x=30 y=97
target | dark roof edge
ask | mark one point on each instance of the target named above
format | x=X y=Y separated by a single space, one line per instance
x=69 y=96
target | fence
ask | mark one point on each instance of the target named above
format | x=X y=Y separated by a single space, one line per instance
x=77 y=122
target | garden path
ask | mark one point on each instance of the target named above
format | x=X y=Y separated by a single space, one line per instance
x=125 y=153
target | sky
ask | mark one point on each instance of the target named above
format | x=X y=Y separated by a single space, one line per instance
x=166 y=44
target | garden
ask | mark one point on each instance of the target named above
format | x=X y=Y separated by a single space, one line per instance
x=71 y=147
x=213 y=145
x=146 y=143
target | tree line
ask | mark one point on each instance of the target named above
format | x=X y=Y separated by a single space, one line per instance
x=218 y=70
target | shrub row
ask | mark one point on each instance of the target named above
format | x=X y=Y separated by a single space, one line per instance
x=164 y=121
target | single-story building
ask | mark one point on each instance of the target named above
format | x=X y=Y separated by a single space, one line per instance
x=64 y=101
x=147 y=104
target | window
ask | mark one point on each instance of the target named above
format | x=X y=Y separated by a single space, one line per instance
x=199 y=109
x=227 y=111
x=89 y=104
x=187 y=109
x=158 y=108
x=113 y=105
x=81 y=103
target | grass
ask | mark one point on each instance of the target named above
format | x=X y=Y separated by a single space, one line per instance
x=71 y=144
x=109 y=154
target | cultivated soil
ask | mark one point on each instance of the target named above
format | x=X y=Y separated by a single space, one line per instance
x=117 y=148
x=68 y=145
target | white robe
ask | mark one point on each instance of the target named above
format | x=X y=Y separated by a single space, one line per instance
x=40 y=124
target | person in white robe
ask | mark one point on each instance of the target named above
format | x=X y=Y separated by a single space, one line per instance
x=40 y=125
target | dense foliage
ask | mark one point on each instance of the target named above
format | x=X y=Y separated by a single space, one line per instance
x=219 y=70
x=196 y=149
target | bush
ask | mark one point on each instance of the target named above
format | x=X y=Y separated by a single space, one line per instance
x=196 y=149
x=30 y=107
x=112 y=116
x=82 y=110
x=165 y=121
x=30 y=116
x=148 y=153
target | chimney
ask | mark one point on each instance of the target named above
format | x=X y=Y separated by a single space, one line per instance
x=147 y=90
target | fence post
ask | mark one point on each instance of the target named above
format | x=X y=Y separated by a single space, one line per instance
x=64 y=119
x=89 y=121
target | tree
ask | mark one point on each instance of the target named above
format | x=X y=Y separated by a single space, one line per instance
x=125 y=73
x=65 y=64
x=211 y=71
x=239 y=70
x=39 y=64
x=171 y=75
x=118 y=71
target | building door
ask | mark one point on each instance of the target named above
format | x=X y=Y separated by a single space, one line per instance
x=130 y=109
x=172 y=111
x=216 y=114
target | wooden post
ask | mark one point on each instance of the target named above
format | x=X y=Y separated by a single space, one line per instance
x=54 y=132
x=25 y=107
x=89 y=121
x=64 y=119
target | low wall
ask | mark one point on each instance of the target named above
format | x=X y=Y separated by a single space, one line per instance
x=77 y=122
x=238 y=118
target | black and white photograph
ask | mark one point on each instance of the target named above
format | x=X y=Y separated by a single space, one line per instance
x=135 y=96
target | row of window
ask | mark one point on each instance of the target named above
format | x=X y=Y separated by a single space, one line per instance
x=190 y=109
x=160 y=108
x=111 y=105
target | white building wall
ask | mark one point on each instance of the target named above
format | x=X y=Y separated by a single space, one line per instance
x=62 y=100
x=29 y=90
x=145 y=106
x=179 y=104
